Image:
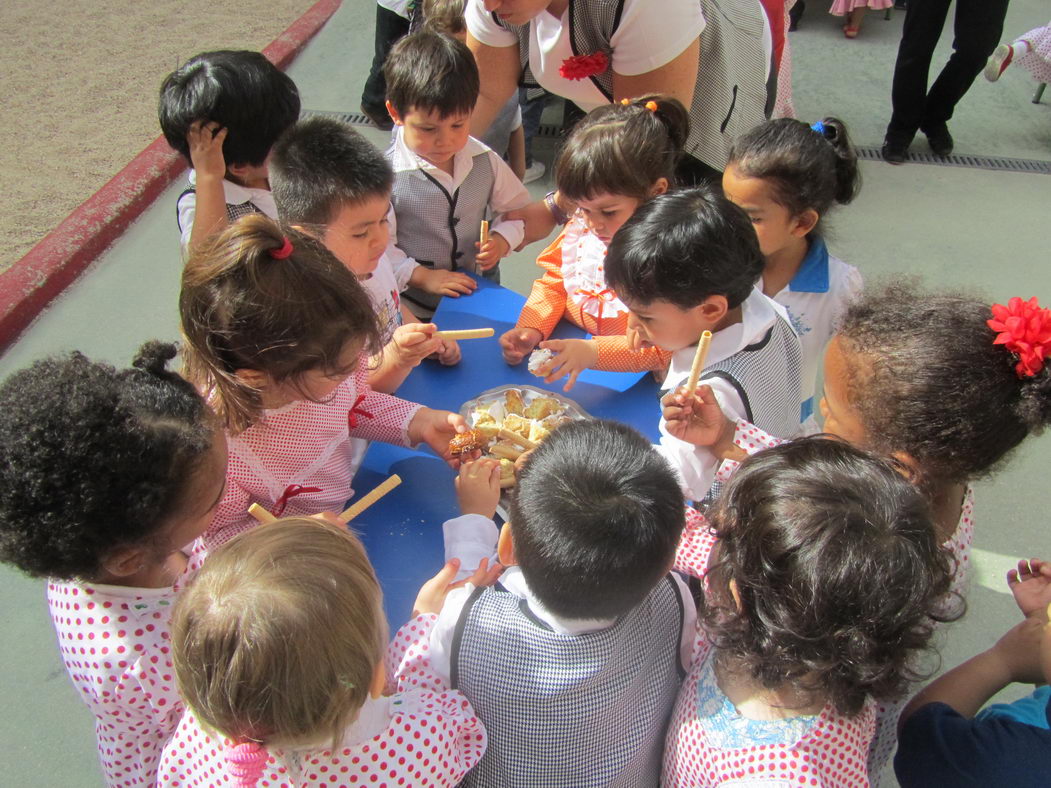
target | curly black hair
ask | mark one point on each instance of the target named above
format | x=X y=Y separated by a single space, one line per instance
x=929 y=382
x=838 y=572
x=94 y=458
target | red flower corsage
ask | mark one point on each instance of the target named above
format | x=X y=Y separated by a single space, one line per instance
x=1024 y=329
x=583 y=66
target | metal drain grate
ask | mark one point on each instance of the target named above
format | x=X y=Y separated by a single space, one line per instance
x=1000 y=163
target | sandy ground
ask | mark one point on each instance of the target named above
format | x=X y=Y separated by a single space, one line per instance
x=79 y=92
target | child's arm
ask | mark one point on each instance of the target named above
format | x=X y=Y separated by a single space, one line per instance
x=573 y=356
x=205 y=139
x=508 y=194
x=411 y=343
x=409 y=273
x=1030 y=585
x=543 y=309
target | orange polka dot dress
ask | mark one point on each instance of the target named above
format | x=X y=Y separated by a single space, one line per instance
x=574 y=287
x=297 y=459
x=427 y=735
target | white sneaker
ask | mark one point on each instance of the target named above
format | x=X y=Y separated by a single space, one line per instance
x=534 y=171
x=999 y=61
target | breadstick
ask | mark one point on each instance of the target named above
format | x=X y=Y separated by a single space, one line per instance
x=261 y=514
x=698 y=361
x=505 y=483
x=505 y=452
x=466 y=333
x=370 y=499
x=514 y=437
x=483 y=236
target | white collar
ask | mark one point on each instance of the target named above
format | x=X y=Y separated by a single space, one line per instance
x=235 y=193
x=514 y=581
x=402 y=159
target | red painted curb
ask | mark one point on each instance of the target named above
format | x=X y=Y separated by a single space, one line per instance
x=47 y=269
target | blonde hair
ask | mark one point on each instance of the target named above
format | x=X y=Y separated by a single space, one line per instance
x=243 y=308
x=278 y=638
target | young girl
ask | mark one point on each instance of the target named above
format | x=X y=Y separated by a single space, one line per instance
x=105 y=475
x=822 y=587
x=854 y=11
x=278 y=335
x=1032 y=51
x=616 y=158
x=942 y=382
x=786 y=175
x=279 y=652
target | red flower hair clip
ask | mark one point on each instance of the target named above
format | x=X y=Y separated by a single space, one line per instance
x=583 y=66
x=1025 y=330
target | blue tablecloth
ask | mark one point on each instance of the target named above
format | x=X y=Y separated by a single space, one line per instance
x=403 y=531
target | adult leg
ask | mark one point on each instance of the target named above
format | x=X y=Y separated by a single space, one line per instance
x=924 y=20
x=389 y=28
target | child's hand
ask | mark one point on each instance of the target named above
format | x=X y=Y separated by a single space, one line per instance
x=449 y=352
x=1030 y=585
x=572 y=356
x=205 y=139
x=517 y=343
x=491 y=252
x=431 y=598
x=436 y=428
x=440 y=282
x=478 y=487
x=696 y=419
x=413 y=342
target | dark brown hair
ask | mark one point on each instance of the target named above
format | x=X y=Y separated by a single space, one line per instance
x=623 y=148
x=444 y=16
x=242 y=308
x=431 y=72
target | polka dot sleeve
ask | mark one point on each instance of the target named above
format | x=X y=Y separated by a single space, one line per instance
x=547 y=300
x=615 y=355
x=696 y=544
x=750 y=439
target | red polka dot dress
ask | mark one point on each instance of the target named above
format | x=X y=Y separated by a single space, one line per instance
x=423 y=735
x=297 y=459
x=116 y=648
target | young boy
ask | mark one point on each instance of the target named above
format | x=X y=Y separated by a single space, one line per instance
x=686 y=263
x=333 y=184
x=223 y=111
x=445 y=181
x=573 y=660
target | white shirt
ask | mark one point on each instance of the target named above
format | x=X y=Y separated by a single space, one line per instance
x=235 y=194
x=696 y=466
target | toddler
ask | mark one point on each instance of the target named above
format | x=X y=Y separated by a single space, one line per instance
x=616 y=158
x=1033 y=53
x=445 y=181
x=279 y=652
x=574 y=659
x=823 y=585
x=686 y=263
x=105 y=475
x=786 y=175
x=278 y=336
x=223 y=111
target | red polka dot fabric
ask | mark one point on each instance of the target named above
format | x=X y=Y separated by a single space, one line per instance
x=308 y=444
x=432 y=739
x=695 y=546
x=116 y=648
x=750 y=439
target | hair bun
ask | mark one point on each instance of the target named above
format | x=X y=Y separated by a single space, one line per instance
x=153 y=357
x=1034 y=405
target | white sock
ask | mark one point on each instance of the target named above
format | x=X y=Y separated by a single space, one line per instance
x=1020 y=47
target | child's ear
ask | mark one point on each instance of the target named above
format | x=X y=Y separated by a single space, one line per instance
x=735 y=592
x=712 y=310
x=397 y=118
x=805 y=222
x=505 y=547
x=379 y=681
x=124 y=561
x=908 y=467
x=253 y=378
x=660 y=186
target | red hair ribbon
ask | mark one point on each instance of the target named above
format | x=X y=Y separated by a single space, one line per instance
x=583 y=66
x=245 y=762
x=291 y=491
x=283 y=252
x=1025 y=330
x=356 y=410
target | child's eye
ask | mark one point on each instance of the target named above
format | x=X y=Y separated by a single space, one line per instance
x=608 y=214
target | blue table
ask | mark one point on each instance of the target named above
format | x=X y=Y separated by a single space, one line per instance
x=403 y=531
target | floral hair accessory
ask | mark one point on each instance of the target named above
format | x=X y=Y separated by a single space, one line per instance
x=625 y=101
x=245 y=762
x=1025 y=330
x=283 y=252
x=583 y=66
x=651 y=106
x=819 y=127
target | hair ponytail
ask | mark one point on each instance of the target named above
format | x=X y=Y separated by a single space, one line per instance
x=848 y=176
x=245 y=763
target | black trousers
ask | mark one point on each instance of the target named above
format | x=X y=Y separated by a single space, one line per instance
x=977 y=28
x=389 y=28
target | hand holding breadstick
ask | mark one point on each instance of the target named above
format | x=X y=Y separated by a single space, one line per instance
x=370 y=499
x=466 y=333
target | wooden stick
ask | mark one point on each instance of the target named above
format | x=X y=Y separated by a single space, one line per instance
x=698 y=361
x=514 y=437
x=483 y=236
x=261 y=514
x=371 y=498
x=466 y=333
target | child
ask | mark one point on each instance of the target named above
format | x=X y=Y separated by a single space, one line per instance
x=616 y=158
x=1033 y=53
x=223 y=111
x=685 y=263
x=279 y=651
x=786 y=175
x=278 y=336
x=822 y=588
x=939 y=381
x=331 y=183
x=105 y=475
x=854 y=11
x=445 y=182
x=573 y=661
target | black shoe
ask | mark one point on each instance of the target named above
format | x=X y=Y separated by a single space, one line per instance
x=379 y=117
x=894 y=151
x=940 y=140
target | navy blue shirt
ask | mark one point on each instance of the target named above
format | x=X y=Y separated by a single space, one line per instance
x=939 y=747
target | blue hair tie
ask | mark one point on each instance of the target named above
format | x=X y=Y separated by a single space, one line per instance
x=819 y=127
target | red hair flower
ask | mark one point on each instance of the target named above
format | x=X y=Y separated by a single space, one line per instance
x=1025 y=330
x=583 y=66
